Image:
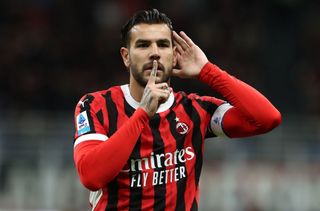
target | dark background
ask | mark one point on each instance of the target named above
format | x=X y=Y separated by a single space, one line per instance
x=54 y=51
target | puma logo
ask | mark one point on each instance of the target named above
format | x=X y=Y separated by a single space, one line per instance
x=82 y=102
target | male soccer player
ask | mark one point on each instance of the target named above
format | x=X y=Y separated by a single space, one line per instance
x=140 y=146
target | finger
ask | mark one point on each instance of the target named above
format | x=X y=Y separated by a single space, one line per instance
x=163 y=86
x=162 y=92
x=178 y=47
x=163 y=95
x=180 y=41
x=186 y=38
x=153 y=74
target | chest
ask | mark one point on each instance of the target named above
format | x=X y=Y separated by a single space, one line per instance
x=168 y=132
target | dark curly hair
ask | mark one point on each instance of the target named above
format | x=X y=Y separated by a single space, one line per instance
x=145 y=16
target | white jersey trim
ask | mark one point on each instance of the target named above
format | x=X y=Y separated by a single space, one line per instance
x=90 y=137
x=133 y=103
x=94 y=198
x=216 y=119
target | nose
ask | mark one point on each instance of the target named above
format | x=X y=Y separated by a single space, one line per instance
x=154 y=55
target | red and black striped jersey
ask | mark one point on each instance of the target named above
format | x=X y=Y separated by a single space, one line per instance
x=132 y=162
x=163 y=170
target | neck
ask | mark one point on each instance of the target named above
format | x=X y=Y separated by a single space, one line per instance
x=136 y=90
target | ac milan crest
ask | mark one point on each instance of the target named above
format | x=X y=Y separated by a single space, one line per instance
x=181 y=127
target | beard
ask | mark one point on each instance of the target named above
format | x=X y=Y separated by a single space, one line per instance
x=139 y=76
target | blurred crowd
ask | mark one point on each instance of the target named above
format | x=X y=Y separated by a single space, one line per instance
x=54 y=51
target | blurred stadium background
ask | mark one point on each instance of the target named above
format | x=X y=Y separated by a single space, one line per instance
x=54 y=51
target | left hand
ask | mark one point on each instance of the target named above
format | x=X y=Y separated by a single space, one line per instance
x=190 y=57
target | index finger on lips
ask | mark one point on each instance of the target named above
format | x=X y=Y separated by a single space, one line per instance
x=153 y=74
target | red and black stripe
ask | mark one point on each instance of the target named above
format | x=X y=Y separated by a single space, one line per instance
x=197 y=140
x=113 y=119
x=100 y=118
x=210 y=108
x=181 y=184
x=158 y=148
x=135 y=200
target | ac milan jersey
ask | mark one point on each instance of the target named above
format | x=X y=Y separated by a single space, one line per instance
x=132 y=162
x=163 y=170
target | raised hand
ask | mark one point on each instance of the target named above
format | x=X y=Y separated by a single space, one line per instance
x=154 y=94
x=190 y=57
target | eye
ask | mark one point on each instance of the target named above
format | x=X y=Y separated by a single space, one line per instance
x=163 y=45
x=142 y=45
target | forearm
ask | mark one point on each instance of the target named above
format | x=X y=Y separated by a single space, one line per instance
x=100 y=162
x=248 y=103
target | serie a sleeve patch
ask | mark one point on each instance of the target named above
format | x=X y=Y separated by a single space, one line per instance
x=83 y=125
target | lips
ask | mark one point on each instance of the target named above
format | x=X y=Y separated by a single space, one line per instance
x=149 y=66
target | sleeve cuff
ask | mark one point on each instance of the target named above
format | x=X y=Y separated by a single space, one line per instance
x=207 y=70
x=142 y=114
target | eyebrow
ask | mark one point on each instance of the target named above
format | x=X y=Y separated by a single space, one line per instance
x=166 y=41
x=142 y=41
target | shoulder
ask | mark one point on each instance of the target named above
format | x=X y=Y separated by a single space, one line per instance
x=206 y=104
x=182 y=96
x=98 y=98
x=102 y=93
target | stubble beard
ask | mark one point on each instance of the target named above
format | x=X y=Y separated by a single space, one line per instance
x=138 y=75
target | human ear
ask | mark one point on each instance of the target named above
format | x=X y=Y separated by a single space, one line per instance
x=125 y=56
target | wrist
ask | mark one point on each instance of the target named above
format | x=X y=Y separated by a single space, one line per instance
x=206 y=71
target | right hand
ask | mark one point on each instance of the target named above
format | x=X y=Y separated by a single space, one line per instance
x=154 y=94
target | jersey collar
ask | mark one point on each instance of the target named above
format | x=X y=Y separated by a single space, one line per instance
x=133 y=103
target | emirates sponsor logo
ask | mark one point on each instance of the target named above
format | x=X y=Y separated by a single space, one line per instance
x=167 y=168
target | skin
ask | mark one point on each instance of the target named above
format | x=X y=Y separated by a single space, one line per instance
x=150 y=58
